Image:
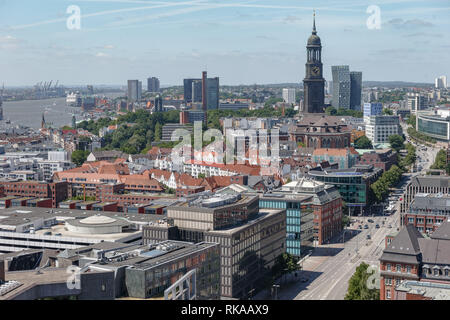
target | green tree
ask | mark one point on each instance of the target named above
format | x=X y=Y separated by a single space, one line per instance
x=357 y=285
x=388 y=112
x=363 y=143
x=397 y=142
x=79 y=156
x=284 y=263
x=158 y=132
x=331 y=111
x=441 y=160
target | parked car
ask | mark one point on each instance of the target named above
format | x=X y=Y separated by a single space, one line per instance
x=377 y=226
x=360 y=227
x=389 y=226
x=48 y=233
x=370 y=220
x=366 y=226
x=368 y=237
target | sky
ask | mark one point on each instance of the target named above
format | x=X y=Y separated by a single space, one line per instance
x=239 y=41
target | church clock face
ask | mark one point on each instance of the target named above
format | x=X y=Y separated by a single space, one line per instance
x=315 y=70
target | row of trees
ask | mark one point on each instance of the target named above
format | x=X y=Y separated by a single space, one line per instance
x=389 y=179
x=419 y=136
x=358 y=288
x=410 y=157
x=441 y=161
x=332 y=111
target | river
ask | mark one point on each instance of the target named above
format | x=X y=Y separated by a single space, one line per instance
x=29 y=112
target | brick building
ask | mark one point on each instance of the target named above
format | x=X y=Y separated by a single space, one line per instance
x=320 y=131
x=57 y=191
x=384 y=158
x=411 y=257
x=427 y=211
x=116 y=192
x=424 y=184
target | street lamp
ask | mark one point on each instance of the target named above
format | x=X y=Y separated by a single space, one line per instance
x=250 y=294
x=275 y=289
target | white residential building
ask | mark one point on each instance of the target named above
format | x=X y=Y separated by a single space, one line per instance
x=289 y=95
x=379 y=128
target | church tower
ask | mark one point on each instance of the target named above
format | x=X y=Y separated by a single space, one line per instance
x=314 y=83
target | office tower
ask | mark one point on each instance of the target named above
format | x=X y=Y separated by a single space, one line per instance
x=134 y=90
x=196 y=91
x=212 y=89
x=90 y=89
x=440 y=82
x=204 y=94
x=372 y=109
x=379 y=128
x=329 y=87
x=416 y=102
x=153 y=84
x=355 y=90
x=341 y=87
x=314 y=83
x=289 y=95
x=158 y=103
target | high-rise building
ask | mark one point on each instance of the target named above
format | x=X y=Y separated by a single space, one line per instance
x=212 y=93
x=347 y=87
x=158 y=103
x=372 y=109
x=204 y=91
x=416 y=102
x=153 y=84
x=314 y=83
x=187 y=83
x=90 y=89
x=289 y=95
x=134 y=90
x=440 y=82
x=355 y=90
x=196 y=91
x=341 y=87
x=204 y=94
x=329 y=87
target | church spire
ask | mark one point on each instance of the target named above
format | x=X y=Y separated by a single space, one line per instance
x=314 y=22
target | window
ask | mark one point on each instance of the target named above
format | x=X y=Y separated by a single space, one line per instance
x=398 y=268
x=388 y=294
x=408 y=269
x=388 y=267
x=388 y=281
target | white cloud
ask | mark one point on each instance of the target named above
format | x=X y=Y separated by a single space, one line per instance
x=101 y=54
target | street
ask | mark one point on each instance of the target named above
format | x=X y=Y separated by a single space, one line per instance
x=325 y=274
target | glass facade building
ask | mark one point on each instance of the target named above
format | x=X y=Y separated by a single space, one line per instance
x=434 y=126
x=299 y=222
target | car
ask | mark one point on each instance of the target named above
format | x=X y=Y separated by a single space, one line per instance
x=377 y=226
x=370 y=220
x=389 y=226
x=368 y=237
x=48 y=233
x=366 y=226
x=58 y=234
x=360 y=227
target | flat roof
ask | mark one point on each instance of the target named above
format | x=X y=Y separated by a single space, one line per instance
x=263 y=214
x=16 y=215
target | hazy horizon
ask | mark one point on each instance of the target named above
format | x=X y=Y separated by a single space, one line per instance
x=242 y=42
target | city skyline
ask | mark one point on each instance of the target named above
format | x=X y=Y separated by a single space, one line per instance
x=241 y=42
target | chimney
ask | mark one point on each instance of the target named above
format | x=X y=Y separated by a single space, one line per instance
x=204 y=102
